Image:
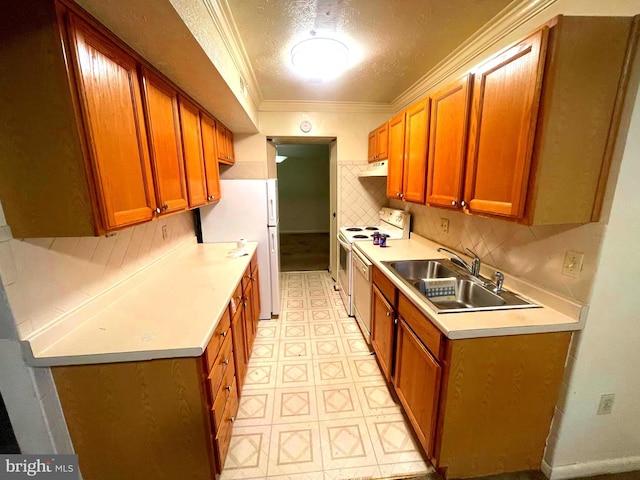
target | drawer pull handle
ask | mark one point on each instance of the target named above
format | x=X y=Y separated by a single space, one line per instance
x=225 y=361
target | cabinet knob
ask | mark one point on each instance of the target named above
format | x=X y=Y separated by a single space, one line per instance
x=165 y=207
x=388 y=314
x=158 y=210
x=463 y=203
x=225 y=361
x=401 y=195
x=224 y=334
x=232 y=419
x=228 y=388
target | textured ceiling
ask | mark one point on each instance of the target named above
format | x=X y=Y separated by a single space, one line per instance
x=397 y=42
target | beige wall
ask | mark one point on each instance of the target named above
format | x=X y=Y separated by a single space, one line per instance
x=359 y=199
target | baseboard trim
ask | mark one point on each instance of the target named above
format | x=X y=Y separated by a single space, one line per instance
x=589 y=469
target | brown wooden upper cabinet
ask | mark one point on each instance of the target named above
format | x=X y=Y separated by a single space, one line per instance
x=165 y=143
x=541 y=129
x=505 y=104
x=192 y=151
x=541 y=125
x=448 y=143
x=379 y=143
x=395 y=167
x=415 y=152
x=107 y=148
x=224 y=144
x=111 y=106
x=208 y=126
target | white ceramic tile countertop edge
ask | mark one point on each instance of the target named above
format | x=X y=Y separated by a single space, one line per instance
x=566 y=316
x=169 y=310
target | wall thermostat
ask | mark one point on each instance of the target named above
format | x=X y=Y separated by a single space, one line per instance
x=305 y=126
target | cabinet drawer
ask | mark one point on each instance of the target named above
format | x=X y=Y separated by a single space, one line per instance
x=223 y=395
x=385 y=285
x=219 y=335
x=223 y=360
x=426 y=331
x=223 y=438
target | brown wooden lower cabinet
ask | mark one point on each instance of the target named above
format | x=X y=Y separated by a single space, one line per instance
x=382 y=328
x=417 y=383
x=159 y=419
x=478 y=406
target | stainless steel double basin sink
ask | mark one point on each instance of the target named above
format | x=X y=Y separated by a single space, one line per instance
x=471 y=293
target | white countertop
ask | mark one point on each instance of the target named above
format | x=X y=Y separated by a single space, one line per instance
x=169 y=309
x=557 y=313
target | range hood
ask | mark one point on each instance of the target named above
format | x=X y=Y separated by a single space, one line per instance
x=376 y=169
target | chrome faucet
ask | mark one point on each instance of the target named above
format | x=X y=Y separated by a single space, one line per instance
x=474 y=268
x=499 y=282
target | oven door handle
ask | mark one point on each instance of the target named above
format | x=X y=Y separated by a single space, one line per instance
x=344 y=244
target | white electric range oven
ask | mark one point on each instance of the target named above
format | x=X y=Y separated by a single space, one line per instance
x=354 y=279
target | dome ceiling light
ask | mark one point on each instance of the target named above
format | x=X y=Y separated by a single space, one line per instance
x=320 y=58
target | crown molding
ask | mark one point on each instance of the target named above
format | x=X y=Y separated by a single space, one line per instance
x=222 y=17
x=509 y=19
x=320 y=106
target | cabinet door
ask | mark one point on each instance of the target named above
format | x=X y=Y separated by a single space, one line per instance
x=396 y=156
x=228 y=136
x=165 y=144
x=239 y=354
x=250 y=326
x=372 y=147
x=111 y=105
x=192 y=150
x=382 y=331
x=415 y=152
x=382 y=142
x=255 y=292
x=208 y=127
x=505 y=110
x=448 y=143
x=417 y=383
x=221 y=142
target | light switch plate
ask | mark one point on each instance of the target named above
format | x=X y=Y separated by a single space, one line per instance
x=572 y=265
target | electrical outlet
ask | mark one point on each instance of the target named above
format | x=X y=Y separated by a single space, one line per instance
x=606 y=404
x=444 y=225
x=572 y=265
x=165 y=233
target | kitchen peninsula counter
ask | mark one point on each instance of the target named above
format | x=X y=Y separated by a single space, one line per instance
x=556 y=315
x=169 y=309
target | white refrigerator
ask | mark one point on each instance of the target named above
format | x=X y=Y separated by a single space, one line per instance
x=249 y=209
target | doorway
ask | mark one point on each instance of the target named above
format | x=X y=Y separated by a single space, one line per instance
x=303 y=168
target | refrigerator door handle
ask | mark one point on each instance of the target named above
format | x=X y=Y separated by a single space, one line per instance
x=273 y=210
x=273 y=242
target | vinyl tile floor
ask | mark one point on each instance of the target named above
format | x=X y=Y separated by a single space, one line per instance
x=315 y=404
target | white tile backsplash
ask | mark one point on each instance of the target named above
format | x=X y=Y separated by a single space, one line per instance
x=533 y=253
x=48 y=277
x=360 y=197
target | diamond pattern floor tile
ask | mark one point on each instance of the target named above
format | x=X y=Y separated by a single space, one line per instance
x=315 y=405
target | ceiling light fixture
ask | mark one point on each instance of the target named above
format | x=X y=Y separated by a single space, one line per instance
x=280 y=158
x=320 y=58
